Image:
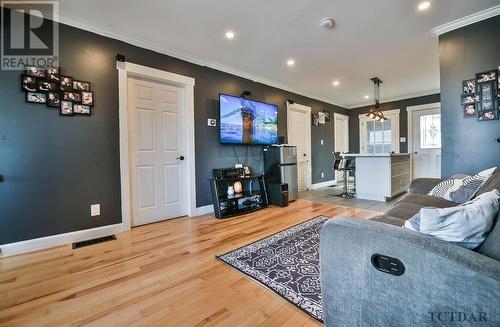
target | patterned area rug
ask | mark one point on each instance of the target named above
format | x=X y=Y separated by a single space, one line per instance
x=287 y=263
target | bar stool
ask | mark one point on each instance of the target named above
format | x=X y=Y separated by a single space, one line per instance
x=345 y=165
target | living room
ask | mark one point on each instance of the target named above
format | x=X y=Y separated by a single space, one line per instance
x=143 y=177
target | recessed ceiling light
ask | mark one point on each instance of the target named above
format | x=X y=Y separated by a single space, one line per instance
x=229 y=35
x=290 y=62
x=424 y=5
x=367 y=96
x=335 y=83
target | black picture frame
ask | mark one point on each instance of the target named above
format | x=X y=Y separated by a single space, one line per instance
x=47 y=86
x=487 y=96
x=469 y=98
x=66 y=108
x=85 y=95
x=54 y=99
x=487 y=115
x=40 y=97
x=72 y=96
x=66 y=83
x=469 y=86
x=470 y=110
x=36 y=72
x=487 y=76
x=53 y=74
x=82 y=109
x=28 y=83
x=81 y=86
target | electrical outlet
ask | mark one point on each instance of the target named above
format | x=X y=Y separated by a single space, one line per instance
x=211 y=122
x=321 y=142
x=322 y=175
x=95 y=210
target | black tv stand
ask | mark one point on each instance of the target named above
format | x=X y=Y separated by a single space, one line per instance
x=252 y=198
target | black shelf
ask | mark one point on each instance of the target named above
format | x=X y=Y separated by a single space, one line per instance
x=252 y=198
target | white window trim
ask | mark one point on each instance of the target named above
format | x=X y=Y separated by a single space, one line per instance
x=394 y=116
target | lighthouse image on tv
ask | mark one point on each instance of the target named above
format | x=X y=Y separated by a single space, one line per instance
x=244 y=121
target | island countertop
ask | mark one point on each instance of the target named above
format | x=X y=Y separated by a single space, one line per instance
x=374 y=154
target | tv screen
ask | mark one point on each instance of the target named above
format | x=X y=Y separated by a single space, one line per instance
x=244 y=121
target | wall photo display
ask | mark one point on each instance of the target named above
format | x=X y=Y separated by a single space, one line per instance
x=481 y=96
x=49 y=87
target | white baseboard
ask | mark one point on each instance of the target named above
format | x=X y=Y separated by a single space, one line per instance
x=59 y=239
x=323 y=184
x=200 y=211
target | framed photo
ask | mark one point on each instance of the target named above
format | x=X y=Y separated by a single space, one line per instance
x=28 y=83
x=487 y=115
x=81 y=86
x=470 y=110
x=53 y=99
x=46 y=86
x=66 y=83
x=72 y=96
x=469 y=98
x=88 y=98
x=469 y=86
x=53 y=74
x=36 y=97
x=491 y=75
x=81 y=109
x=66 y=108
x=36 y=72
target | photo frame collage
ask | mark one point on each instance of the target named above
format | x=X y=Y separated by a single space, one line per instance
x=481 y=96
x=49 y=87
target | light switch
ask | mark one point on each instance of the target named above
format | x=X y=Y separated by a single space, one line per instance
x=402 y=139
x=212 y=122
x=95 y=210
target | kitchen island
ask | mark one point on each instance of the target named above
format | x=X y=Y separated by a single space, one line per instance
x=381 y=176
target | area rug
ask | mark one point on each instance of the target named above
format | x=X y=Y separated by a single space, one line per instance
x=287 y=263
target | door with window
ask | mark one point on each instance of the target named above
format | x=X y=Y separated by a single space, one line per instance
x=426 y=143
x=377 y=137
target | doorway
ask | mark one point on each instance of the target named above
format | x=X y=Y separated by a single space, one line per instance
x=341 y=130
x=157 y=164
x=424 y=140
x=299 y=134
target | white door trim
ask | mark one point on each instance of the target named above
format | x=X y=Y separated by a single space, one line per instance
x=126 y=70
x=409 y=115
x=308 y=179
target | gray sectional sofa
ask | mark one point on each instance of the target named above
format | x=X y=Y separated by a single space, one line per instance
x=420 y=280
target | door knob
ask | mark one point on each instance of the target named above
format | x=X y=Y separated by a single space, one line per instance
x=415 y=152
x=1 y=178
x=498 y=139
x=180 y=158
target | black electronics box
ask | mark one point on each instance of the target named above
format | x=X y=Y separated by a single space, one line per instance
x=278 y=194
x=222 y=173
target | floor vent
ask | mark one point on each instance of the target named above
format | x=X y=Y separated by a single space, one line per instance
x=93 y=241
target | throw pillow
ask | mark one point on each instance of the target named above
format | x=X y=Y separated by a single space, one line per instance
x=461 y=188
x=466 y=224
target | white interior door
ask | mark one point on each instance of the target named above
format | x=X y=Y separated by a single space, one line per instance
x=299 y=134
x=426 y=143
x=341 y=130
x=158 y=180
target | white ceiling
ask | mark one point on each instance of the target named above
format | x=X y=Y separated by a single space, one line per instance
x=386 y=38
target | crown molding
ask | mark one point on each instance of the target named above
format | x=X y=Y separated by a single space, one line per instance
x=157 y=47
x=396 y=98
x=467 y=20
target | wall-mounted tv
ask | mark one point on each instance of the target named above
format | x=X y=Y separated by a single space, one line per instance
x=244 y=121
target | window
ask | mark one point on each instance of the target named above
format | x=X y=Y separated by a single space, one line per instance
x=379 y=137
x=430 y=131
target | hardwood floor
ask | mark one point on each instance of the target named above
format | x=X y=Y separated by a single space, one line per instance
x=163 y=274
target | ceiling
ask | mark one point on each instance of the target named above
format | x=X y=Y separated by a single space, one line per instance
x=390 y=39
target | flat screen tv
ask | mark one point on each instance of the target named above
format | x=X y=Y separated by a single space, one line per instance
x=244 y=121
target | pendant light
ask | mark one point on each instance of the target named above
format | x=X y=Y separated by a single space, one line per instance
x=374 y=112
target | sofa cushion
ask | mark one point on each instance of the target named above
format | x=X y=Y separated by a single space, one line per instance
x=466 y=224
x=461 y=188
x=424 y=200
x=404 y=210
x=491 y=246
x=389 y=220
x=493 y=183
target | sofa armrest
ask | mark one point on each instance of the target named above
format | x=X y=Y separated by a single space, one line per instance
x=423 y=185
x=438 y=277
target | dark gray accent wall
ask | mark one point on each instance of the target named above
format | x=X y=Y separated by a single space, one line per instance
x=403 y=118
x=55 y=166
x=468 y=145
